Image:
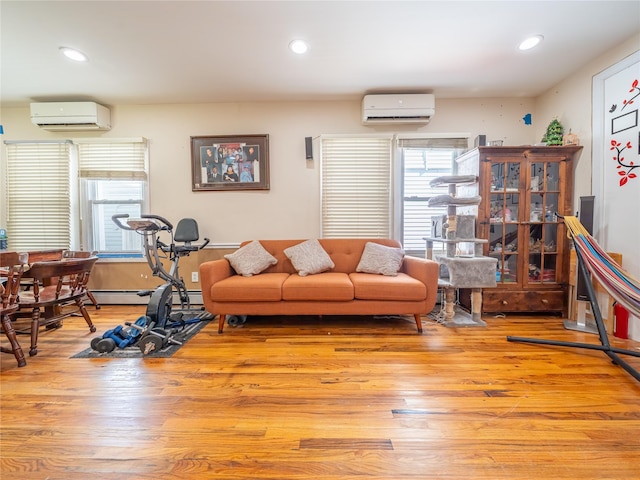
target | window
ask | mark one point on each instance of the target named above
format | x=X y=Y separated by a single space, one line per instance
x=46 y=209
x=359 y=197
x=356 y=187
x=38 y=203
x=422 y=161
x=105 y=198
x=113 y=180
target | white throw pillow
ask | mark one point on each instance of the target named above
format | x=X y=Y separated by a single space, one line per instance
x=251 y=259
x=380 y=259
x=309 y=257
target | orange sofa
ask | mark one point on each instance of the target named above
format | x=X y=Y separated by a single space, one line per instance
x=279 y=290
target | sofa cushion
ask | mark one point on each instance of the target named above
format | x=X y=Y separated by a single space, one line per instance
x=266 y=287
x=380 y=287
x=380 y=259
x=327 y=286
x=251 y=259
x=309 y=258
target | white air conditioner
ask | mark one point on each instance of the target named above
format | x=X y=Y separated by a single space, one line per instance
x=65 y=116
x=398 y=108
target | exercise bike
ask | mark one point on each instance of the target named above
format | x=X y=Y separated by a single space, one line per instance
x=160 y=310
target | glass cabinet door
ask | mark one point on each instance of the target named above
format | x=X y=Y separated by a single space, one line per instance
x=542 y=232
x=504 y=216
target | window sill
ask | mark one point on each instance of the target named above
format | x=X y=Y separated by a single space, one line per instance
x=121 y=258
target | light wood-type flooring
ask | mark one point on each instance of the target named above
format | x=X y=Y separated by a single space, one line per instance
x=291 y=398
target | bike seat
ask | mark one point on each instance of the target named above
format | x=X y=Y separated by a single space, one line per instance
x=186 y=231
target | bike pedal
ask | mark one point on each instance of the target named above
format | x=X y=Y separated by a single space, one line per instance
x=144 y=293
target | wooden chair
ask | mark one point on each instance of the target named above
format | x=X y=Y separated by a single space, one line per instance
x=69 y=289
x=83 y=254
x=12 y=267
x=45 y=255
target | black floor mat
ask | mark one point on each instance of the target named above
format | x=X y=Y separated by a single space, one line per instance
x=184 y=334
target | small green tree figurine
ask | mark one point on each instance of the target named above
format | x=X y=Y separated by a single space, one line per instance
x=554 y=133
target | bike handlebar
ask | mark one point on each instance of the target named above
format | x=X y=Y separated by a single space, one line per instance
x=116 y=220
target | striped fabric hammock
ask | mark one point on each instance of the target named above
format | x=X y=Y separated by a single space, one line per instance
x=621 y=285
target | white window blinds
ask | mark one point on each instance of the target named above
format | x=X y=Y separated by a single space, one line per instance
x=38 y=195
x=356 y=187
x=123 y=159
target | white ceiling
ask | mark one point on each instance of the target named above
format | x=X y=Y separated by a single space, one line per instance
x=150 y=52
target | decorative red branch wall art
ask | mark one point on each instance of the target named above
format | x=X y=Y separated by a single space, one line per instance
x=626 y=157
x=625 y=169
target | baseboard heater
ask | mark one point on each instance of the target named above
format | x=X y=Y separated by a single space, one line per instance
x=130 y=297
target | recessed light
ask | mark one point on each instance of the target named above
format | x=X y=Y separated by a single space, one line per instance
x=298 y=46
x=74 y=54
x=530 y=42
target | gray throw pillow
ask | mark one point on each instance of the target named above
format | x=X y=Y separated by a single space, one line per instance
x=380 y=259
x=309 y=258
x=251 y=259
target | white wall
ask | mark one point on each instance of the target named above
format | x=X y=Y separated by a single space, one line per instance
x=290 y=209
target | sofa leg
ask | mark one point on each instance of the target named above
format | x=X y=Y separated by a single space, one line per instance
x=221 y=320
x=418 y=322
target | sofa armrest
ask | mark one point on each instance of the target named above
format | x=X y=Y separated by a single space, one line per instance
x=210 y=273
x=425 y=270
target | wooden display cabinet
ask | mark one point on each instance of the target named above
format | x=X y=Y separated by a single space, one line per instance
x=523 y=190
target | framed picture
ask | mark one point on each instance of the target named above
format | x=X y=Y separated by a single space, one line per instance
x=230 y=162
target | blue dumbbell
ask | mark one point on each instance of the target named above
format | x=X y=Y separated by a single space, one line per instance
x=118 y=335
x=110 y=340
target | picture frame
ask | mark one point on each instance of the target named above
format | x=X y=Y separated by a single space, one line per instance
x=230 y=162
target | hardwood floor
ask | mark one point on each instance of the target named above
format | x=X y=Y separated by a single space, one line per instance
x=333 y=399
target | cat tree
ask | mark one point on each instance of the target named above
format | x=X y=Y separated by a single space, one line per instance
x=463 y=267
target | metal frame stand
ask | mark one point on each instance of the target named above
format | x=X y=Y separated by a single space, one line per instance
x=605 y=346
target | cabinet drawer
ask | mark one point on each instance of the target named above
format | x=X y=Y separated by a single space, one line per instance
x=524 y=301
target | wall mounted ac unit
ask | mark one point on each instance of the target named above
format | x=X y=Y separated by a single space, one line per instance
x=65 y=116
x=398 y=108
